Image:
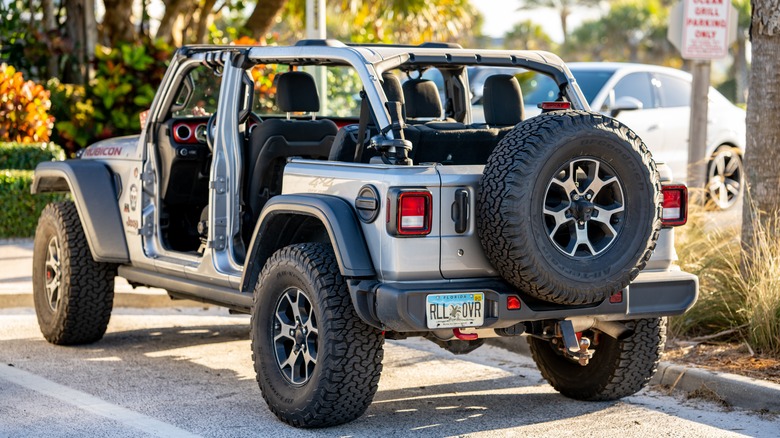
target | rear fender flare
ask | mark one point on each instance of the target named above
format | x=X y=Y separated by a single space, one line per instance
x=336 y=216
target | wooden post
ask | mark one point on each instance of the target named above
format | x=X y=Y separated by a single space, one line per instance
x=697 y=163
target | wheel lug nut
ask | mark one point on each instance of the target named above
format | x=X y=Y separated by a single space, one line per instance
x=588 y=196
x=576 y=197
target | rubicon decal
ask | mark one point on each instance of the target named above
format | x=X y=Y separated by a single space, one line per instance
x=105 y=151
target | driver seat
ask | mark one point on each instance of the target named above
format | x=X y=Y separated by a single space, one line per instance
x=274 y=141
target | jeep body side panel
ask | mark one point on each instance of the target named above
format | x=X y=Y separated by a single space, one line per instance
x=334 y=213
x=95 y=194
x=394 y=258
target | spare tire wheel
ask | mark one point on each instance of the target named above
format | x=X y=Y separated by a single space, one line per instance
x=569 y=207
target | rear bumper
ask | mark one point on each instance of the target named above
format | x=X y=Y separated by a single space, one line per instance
x=400 y=306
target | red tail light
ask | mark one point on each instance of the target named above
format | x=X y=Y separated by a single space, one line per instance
x=413 y=213
x=552 y=106
x=675 y=205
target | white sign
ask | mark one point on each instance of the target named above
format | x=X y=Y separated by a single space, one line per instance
x=705 y=32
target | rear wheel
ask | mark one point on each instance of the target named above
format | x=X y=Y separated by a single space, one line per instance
x=618 y=368
x=317 y=362
x=725 y=177
x=73 y=293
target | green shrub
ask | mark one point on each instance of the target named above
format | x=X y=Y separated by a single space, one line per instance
x=125 y=83
x=75 y=125
x=25 y=156
x=20 y=209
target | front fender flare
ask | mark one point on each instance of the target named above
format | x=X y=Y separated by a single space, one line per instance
x=93 y=189
x=339 y=220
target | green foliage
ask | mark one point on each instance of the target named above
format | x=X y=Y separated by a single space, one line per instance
x=20 y=208
x=632 y=30
x=74 y=128
x=126 y=80
x=25 y=156
x=22 y=43
x=527 y=35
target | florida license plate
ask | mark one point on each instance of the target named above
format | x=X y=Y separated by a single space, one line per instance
x=455 y=310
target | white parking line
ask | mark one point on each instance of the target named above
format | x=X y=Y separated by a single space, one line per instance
x=91 y=403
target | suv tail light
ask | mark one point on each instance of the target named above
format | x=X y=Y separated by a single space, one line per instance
x=410 y=212
x=675 y=206
x=553 y=106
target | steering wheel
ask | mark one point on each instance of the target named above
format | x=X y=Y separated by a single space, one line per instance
x=210 y=131
x=252 y=122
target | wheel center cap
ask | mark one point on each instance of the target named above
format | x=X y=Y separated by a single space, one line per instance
x=299 y=336
x=582 y=209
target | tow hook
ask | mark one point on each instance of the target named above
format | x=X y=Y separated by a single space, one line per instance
x=573 y=347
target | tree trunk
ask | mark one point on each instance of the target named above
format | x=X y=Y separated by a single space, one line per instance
x=262 y=18
x=203 y=20
x=763 y=122
x=564 y=23
x=50 y=27
x=118 y=27
x=173 y=9
x=741 y=68
x=74 y=28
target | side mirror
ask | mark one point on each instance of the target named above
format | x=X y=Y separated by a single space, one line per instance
x=625 y=103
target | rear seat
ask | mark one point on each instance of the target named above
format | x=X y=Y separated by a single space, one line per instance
x=503 y=102
x=443 y=141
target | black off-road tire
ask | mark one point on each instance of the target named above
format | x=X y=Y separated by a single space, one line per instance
x=518 y=181
x=619 y=368
x=348 y=352
x=79 y=306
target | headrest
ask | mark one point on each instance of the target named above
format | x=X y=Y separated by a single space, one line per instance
x=502 y=100
x=392 y=87
x=422 y=99
x=296 y=92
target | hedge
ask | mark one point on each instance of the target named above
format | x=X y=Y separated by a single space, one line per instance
x=25 y=156
x=20 y=209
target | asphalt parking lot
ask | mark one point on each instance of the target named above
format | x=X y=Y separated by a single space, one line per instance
x=188 y=371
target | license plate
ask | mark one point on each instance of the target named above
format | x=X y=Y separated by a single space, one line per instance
x=455 y=310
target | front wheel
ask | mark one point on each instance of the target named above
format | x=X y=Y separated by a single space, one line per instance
x=73 y=293
x=317 y=362
x=619 y=368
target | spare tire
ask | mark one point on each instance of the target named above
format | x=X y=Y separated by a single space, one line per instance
x=569 y=207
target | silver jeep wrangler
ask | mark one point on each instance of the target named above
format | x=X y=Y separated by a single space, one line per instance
x=341 y=198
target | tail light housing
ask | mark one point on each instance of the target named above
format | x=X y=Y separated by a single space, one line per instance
x=410 y=212
x=554 y=106
x=675 y=205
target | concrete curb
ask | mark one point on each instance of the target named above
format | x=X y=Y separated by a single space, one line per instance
x=731 y=389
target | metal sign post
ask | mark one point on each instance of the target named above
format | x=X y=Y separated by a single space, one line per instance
x=702 y=30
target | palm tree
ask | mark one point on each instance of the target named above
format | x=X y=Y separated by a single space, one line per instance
x=399 y=21
x=563 y=7
x=527 y=35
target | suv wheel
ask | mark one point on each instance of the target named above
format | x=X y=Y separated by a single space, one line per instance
x=725 y=179
x=73 y=293
x=569 y=207
x=317 y=362
x=618 y=368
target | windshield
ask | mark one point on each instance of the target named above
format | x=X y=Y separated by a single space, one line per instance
x=591 y=81
x=539 y=88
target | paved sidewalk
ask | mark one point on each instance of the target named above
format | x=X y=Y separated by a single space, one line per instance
x=16 y=282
